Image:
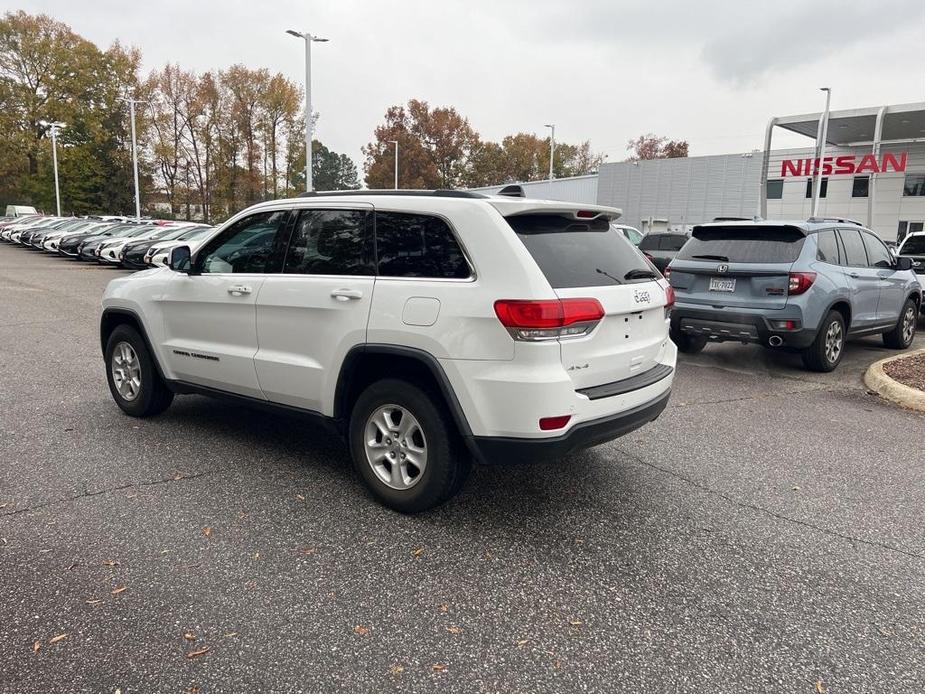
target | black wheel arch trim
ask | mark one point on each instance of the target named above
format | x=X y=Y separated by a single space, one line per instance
x=423 y=357
x=143 y=331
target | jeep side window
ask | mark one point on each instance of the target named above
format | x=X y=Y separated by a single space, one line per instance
x=827 y=247
x=331 y=242
x=855 y=256
x=250 y=245
x=877 y=254
x=418 y=245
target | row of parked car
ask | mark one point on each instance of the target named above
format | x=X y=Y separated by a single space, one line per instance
x=119 y=241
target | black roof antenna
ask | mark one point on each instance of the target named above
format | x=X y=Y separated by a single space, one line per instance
x=514 y=191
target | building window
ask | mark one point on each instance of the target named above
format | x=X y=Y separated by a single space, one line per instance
x=776 y=189
x=861 y=187
x=823 y=189
x=915 y=185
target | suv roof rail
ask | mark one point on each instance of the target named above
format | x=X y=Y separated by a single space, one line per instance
x=414 y=193
x=837 y=220
x=513 y=191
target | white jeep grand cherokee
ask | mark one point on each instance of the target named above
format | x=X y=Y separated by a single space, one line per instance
x=431 y=328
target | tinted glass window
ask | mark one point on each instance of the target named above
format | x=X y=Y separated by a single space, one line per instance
x=860 y=187
x=877 y=254
x=764 y=244
x=418 y=245
x=331 y=242
x=914 y=245
x=775 y=189
x=827 y=247
x=914 y=185
x=578 y=253
x=649 y=242
x=854 y=247
x=633 y=236
x=823 y=187
x=251 y=244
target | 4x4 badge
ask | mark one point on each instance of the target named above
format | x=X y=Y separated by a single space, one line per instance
x=722 y=268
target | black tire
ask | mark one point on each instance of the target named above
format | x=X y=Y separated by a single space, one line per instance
x=153 y=396
x=447 y=463
x=689 y=344
x=817 y=357
x=903 y=333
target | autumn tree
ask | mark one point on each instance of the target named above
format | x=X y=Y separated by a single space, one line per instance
x=650 y=146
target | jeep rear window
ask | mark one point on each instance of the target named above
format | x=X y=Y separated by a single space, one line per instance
x=763 y=244
x=578 y=253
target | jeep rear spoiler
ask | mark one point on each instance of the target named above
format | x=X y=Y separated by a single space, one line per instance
x=512 y=207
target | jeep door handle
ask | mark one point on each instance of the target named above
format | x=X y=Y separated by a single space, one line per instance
x=239 y=290
x=853 y=274
x=347 y=294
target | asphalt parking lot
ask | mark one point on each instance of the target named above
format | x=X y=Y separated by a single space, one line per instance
x=764 y=535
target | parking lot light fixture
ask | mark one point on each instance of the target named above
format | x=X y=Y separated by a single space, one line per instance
x=552 y=146
x=395 y=142
x=131 y=103
x=54 y=127
x=309 y=40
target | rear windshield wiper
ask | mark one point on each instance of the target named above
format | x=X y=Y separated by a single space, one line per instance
x=639 y=274
x=721 y=258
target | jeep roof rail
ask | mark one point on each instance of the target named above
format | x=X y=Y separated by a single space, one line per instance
x=414 y=193
x=837 y=220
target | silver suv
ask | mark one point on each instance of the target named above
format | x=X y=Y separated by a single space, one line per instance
x=803 y=286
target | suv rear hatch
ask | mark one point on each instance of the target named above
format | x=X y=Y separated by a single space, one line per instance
x=737 y=266
x=583 y=258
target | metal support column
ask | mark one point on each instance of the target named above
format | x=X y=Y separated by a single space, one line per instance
x=872 y=188
x=765 y=163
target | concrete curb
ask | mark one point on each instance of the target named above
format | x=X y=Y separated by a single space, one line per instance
x=894 y=391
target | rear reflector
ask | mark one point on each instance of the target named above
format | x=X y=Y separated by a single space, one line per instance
x=550 y=318
x=800 y=282
x=669 y=297
x=586 y=214
x=550 y=423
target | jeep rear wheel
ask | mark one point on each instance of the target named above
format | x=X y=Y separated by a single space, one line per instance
x=405 y=448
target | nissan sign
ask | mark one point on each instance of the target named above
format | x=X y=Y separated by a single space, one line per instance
x=845 y=164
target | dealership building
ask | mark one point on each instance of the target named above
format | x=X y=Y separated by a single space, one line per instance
x=872 y=171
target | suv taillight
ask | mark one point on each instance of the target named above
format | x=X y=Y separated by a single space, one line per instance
x=548 y=319
x=800 y=282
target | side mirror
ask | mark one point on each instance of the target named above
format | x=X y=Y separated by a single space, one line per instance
x=903 y=263
x=179 y=259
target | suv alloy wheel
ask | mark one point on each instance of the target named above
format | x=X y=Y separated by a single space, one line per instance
x=827 y=349
x=901 y=336
x=133 y=379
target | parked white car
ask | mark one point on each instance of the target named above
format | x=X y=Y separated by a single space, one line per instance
x=159 y=253
x=431 y=329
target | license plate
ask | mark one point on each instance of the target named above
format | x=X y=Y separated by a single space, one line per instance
x=720 y=284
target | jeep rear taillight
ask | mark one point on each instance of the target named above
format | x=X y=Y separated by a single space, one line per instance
x=548 y=319
x=800 y=282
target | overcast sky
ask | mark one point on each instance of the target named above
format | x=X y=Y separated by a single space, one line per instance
x=708 y=71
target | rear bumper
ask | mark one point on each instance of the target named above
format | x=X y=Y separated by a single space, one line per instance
x=494 y=450
x=754 y=326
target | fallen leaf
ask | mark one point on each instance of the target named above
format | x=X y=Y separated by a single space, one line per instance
x=454 y=629
x=439 y=667
x=189 y=636
x=93 y=602
x=72 y=567
x=557 y=664
x=5 y=505
x=118 y=590
x=487 y=554
x=110 y=562
x=256 y=556
x=118 y=691
x=418 y=552
x=193 y=690
x=444 y=607
x=55 y=639
x=231 y=634
x=36 y=645
x=207 y=531
x=308 y=551
x=575 y=622
x=884 y=631
x=196 y=654
x=300 y=497
x=361 y=630
x=819 y=687
x=522 y=643
x=397 y=669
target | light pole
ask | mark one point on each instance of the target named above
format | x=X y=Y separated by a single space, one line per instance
x=552 y=146
x=54 y=126
x=821 y=136
x=309 y=39
x=131 y=105
x=395 y=142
